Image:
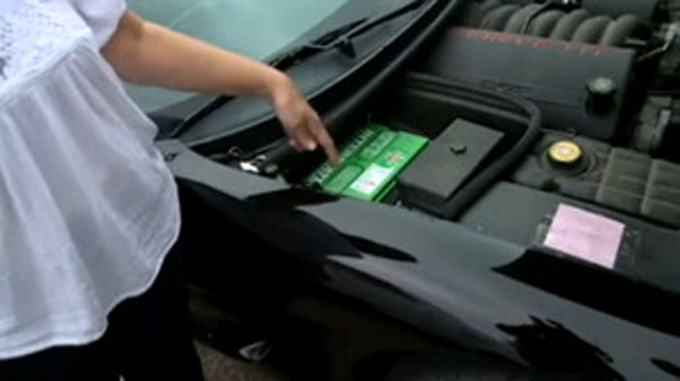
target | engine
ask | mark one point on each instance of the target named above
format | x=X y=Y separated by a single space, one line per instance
x=604 y=74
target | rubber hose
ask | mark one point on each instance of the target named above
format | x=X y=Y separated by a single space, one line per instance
x=473 y=106
x=545 y=23
x=591 y=31
x=619 y=31
x=497 y=19
x=517 y=21
x=479 y=183
x=566 y=27
x=484 y=9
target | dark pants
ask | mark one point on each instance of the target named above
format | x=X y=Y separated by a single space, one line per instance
x=147 y=339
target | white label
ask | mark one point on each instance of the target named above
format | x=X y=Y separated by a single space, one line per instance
x=586 y=235
x=371 y=179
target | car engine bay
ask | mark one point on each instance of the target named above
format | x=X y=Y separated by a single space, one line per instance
x=517 y=108
x=522 y=107
x=604 y=76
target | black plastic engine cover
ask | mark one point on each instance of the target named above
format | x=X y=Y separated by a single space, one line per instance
x=553 y=74
x=644 y=9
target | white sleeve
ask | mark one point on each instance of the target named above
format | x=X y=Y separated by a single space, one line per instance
x=101 y=16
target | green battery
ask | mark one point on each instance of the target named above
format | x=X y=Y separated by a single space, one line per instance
x=369 y=163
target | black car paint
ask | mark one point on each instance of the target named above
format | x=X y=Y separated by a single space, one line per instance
x=439 y=276
x=453 y=285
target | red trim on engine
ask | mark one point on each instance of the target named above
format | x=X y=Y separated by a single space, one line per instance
x=534 y=42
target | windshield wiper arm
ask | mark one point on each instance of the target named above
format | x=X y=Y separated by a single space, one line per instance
x=341 y=37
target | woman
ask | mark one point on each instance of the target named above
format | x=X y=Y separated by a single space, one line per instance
x=88 y=210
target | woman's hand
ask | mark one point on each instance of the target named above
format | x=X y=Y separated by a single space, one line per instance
x=300 y=122
x=149 y=54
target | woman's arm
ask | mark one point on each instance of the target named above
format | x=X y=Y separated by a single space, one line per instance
x=149 y=54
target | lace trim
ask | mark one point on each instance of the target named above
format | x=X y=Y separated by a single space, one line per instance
x=32 y=32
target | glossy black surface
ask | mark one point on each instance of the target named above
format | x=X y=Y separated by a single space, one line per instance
x=439 y=276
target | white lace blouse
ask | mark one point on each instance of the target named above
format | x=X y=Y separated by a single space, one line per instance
x=88 y=208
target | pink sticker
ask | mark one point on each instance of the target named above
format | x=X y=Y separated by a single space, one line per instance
x=585 y=235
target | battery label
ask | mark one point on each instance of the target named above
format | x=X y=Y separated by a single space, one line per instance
x=372 y=178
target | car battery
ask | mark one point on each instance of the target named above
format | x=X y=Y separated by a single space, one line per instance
x=370 y=162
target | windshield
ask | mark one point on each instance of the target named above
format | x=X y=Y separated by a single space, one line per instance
x=255 y=28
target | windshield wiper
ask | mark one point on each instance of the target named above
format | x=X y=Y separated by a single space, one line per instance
x=341 y=38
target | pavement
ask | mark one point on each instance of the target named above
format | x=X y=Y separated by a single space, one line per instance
x=219 y=367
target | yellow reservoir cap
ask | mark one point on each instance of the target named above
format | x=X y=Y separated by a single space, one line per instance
x=565 y=152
